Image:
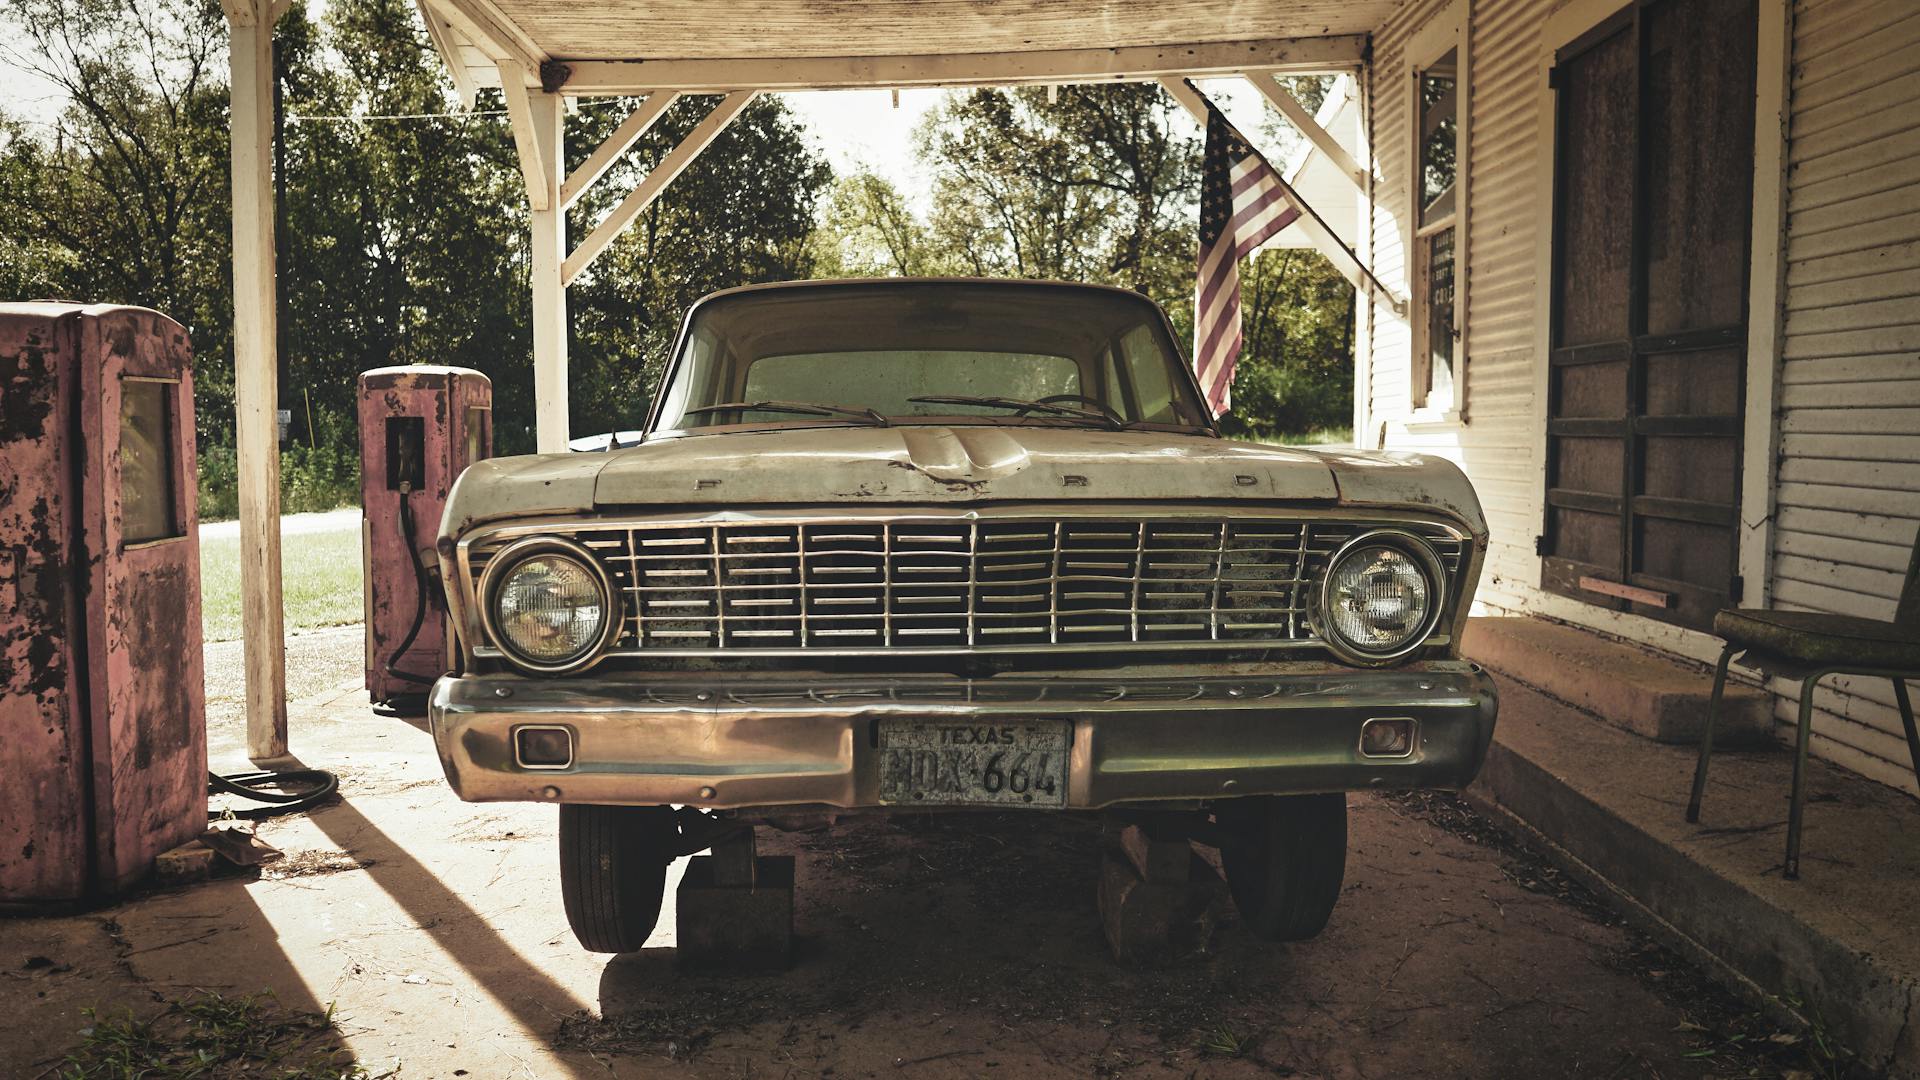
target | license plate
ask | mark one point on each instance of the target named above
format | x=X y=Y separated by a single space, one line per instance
x=954 y=763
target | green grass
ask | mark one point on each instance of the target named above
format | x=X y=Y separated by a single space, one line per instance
x=1320 y=437
x=208 y=1036
x=321 y=581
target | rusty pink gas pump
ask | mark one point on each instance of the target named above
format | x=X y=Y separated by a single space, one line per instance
x=103 y=745
x=419 y=427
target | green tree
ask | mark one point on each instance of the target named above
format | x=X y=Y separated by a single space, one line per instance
x=124 y=200
x=867 y=229
x=1101 y=185
x=1295 y=374
x=744 y=212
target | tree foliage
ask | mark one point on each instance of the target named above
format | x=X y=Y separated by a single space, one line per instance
x=402 y=240
x=1101 y=184
x=404 y=232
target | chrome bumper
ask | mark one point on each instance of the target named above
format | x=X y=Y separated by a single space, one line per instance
x=726 y=742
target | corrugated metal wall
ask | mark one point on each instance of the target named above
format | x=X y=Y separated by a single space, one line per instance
x=1849 y=480
x=1849 y=466
x=1497 y=445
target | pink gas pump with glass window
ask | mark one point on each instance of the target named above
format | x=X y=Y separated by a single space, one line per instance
x=103 y=746
x=420 y=425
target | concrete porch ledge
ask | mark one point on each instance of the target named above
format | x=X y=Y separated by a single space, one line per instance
x=1838 y=946
x=1639 y=690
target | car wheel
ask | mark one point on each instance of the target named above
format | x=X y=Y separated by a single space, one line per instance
x=613 y=872
x=1285 y=857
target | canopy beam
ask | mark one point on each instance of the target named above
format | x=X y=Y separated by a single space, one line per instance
x=1303 y=121
x=442 y=37
x=536 y=160
x=1310 y=55
x=656 y=182
x=1338 y=253
x=631 y=130
x=494 y=34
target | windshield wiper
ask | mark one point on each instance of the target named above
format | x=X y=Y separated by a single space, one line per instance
x=805 y=408
x=1102 y=413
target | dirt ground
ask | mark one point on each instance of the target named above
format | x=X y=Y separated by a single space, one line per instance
x=927 y=947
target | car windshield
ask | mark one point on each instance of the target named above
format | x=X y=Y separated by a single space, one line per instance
x=924 y=352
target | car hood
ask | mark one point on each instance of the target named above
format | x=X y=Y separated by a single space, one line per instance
x=950 y=465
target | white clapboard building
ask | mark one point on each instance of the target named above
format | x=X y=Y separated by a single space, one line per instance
x=1660 y=265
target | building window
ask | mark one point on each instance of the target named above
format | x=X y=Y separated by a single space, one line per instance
x=1438 y=94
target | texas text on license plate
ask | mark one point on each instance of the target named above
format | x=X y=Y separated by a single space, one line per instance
x=953 y=762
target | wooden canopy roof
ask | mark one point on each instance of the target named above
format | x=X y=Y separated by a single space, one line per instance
x=629 y=46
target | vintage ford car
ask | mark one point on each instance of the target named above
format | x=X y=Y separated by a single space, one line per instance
x=934 y=545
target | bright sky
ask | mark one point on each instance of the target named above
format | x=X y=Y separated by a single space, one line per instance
x=861 y=128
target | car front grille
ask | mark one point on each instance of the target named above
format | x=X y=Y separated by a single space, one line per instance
x=969 y=584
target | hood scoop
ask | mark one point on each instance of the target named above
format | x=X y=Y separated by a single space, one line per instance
x=962 y=455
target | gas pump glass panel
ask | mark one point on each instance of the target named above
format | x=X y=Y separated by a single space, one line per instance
x=146 y=460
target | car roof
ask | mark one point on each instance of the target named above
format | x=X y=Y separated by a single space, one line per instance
x=827 y=284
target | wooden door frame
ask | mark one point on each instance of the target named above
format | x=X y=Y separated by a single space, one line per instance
x=1766 y=287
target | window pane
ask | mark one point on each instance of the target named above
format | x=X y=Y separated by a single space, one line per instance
x=1152 y=382
x=146 y=461
x=884 y=380
x=1700 y=65
x=1439 y=112
x=1439 y=302
x=877 y=345
x=1595 y=184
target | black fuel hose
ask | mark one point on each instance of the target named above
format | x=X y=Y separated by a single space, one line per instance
x=321 y=786
x=408 y=531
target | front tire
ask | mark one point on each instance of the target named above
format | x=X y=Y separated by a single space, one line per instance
x=613 y=872
x=1285 y=858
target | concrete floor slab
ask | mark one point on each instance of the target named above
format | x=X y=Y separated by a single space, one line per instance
x=947 y=947
x=1841 y=945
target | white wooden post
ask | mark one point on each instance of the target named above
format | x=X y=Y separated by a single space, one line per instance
x=547 y=128
x=255 y=375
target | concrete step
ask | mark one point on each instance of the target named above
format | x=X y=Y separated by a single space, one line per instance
x=1639 y=690
x=1837 y=946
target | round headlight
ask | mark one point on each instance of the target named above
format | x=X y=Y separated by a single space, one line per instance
x=1381 y=597
x=549 y=605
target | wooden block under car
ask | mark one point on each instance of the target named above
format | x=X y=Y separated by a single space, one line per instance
x=736 y=926
x=1156 y=922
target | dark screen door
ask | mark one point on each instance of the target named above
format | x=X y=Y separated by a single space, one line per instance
x=1653 y=163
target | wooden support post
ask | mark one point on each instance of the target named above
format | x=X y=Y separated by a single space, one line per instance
x=547 y=131
x=255 y=375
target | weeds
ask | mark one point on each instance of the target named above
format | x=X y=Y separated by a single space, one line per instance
x=325 y=476
x=209 y=1036
x=1224 y=1041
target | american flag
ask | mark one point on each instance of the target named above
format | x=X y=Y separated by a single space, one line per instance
x=1243 y=201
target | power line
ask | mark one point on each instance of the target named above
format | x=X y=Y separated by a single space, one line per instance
x=353 y=118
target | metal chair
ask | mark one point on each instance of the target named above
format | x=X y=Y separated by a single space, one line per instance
x=1809 y=646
